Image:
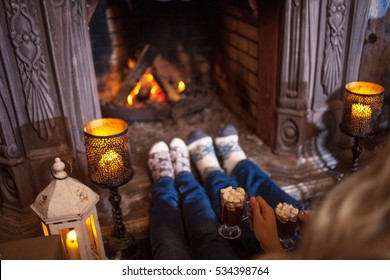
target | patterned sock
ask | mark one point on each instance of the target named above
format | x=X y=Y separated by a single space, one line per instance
x=202 y=153
x=159 y=161
x=180 y=156
x=229 y=149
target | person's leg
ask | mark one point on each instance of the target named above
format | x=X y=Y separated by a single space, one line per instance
x=200 y=220
x=167 y=235
x=202 y=152
x=247 y=173
x=257 y=182
x=217 y=179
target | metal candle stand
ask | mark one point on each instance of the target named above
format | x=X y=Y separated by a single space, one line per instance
x=109 y=166
x=363 y=102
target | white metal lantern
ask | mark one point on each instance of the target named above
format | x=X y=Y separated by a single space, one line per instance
x=67 y=207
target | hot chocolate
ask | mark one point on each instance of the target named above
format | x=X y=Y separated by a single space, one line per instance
x=287 y=219
x=232 y=202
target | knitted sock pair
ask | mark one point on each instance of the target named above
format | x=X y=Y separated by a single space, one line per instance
x=169 y=161
x=202 y=151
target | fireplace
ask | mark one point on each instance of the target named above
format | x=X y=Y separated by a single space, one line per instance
x=265 y=60
x=176 y=42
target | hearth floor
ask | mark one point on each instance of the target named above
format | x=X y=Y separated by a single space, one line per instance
x=306 y=179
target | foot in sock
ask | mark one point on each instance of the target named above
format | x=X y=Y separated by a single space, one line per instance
x=180 y=156
x=159 y=161
x=202 y=152
x=228 y=148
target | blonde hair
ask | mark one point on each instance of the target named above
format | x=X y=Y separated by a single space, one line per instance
x=353 y=222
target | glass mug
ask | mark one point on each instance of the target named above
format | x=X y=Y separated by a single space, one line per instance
x=287 y=224
x=233 y=201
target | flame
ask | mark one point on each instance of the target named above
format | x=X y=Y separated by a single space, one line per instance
x=361 y=111
x=131 y=63
x=137 y=88
x=72 y=236
x=130 y=99
x=149 y=77
x=181 y=86
x=154 y=89
x=148 y=83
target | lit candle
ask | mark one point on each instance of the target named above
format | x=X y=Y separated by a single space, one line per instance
x=72 y=246
x=111 y=163
x=360 y=118
x=361 y=111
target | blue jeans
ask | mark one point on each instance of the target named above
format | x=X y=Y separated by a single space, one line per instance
x=183 y=224
x=184 y=215
x=248 y=175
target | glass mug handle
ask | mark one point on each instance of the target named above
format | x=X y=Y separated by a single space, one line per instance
x=245 y=214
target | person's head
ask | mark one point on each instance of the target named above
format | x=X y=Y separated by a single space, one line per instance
x=353 y=221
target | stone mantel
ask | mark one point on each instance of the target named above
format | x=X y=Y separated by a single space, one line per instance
x=47 y=93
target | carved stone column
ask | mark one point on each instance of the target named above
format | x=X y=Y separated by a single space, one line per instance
x=322 y=46
x=47 y=92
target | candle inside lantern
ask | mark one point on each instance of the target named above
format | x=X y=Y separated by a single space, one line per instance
x=108 y=151
x=111 y=163
x=72 y=246
x=361 y=111
x=363 y=103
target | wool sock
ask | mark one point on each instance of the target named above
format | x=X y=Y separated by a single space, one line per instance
x=180 y=156
x=229 y=149
x=202 y=152
x=159 y=161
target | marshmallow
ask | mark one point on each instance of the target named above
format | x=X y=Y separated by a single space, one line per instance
x=233 y=195
x=226 y=190
x=286 y=212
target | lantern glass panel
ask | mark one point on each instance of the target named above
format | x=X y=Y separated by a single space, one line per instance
x=45 y=229
x=92 y=234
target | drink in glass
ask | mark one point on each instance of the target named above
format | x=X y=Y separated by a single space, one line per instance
x=233 y=200
x=287 y=224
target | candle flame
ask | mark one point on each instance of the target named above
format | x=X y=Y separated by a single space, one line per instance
x=109 y=158
x=72 y=236
x=361 y=111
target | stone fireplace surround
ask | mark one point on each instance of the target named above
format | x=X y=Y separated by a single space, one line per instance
x=47 y=80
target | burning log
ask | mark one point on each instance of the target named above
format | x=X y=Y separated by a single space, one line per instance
x=166 y=86
x=146 y=59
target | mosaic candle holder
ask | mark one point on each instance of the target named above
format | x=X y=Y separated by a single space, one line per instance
x=363 y=102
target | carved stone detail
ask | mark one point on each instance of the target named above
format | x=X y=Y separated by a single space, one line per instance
x=70 y=44
x=322 y=45
x=47 y=81
x=297 y=75
x=298 y=46
x=332 y=66
x=10 y=151
x=26 y=40
x=290 y=132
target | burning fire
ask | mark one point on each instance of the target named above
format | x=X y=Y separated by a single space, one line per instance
x=148 y=88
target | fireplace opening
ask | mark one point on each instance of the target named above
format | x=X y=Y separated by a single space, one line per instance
x=154 y=59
